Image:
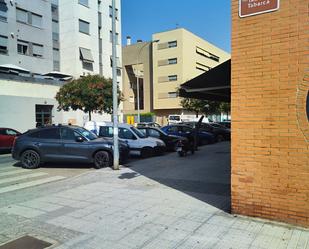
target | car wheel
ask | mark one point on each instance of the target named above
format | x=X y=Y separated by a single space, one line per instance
x=101 y=159
x=146 y=152
x=30 y=159
x=220 y=138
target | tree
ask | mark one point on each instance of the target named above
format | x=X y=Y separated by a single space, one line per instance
x=225 y=108
x=91 y=93
x=199 y=106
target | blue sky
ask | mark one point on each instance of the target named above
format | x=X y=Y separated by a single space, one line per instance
x=209 y=19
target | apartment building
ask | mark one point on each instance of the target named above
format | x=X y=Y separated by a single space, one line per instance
x=26 y=34
x=137 y=65
x=170 y=59
x=69 y=36
x=86 y=37
x=178 y=57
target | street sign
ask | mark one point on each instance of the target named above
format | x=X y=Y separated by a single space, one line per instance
x=255 y=7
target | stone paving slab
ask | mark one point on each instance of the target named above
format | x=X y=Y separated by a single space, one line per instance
x=103 y=209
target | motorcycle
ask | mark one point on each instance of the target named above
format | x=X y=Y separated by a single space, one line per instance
x=183 y=147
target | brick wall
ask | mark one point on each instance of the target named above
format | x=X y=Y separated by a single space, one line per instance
x=270 y=130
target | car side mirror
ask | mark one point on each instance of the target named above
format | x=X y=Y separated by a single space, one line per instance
x=79 y=139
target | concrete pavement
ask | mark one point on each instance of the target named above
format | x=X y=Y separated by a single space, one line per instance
x=162 y=202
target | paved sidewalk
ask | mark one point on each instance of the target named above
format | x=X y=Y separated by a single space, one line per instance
x=127 y=209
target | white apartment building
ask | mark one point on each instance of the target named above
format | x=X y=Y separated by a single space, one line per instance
x=26 y=34
x=69 y=36
x=85 y=28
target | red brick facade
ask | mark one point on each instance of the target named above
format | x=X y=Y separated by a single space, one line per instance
x=270 y=129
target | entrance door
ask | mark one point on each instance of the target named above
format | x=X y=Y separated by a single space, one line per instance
x=43 y=114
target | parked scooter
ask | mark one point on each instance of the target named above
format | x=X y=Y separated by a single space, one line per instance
x=184 y=146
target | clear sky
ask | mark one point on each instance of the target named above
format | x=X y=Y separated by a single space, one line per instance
x=209 y=19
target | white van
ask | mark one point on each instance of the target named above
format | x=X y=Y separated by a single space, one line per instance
x=138 y=143
x=174 y=119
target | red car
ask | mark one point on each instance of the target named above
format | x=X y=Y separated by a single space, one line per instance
x=7 y=137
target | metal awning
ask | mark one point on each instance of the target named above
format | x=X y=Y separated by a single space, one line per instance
x=58 y=75
x=11 y=67
x=86 y=55
x=212 y=85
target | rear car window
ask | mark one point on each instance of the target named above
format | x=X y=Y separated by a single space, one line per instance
x=46 y=134
x=106 y=131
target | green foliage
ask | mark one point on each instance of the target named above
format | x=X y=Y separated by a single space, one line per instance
x=91 y=93
x=225 y=107
x=200 y=106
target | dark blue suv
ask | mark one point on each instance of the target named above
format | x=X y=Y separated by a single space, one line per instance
x=65 y=143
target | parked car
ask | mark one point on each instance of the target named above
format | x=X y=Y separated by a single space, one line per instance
x=170 y=140
x=220 y=132
x=65 y=143
x=7 y=137
x=187 y=131
x=139 y=144
x=148 y=124
x=226 y=124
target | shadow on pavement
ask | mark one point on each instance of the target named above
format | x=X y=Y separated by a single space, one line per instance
x=204 y=175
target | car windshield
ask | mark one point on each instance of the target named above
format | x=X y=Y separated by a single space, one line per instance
x=137 y=132
x=88 y=134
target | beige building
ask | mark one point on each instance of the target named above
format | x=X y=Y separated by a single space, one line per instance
x=176 y=57
x=137 y=64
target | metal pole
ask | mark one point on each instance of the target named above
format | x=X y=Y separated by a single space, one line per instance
x=115 y=93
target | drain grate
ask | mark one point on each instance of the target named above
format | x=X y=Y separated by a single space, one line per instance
x=26 y=242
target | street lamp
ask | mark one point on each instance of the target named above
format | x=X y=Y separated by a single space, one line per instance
x=137 y=79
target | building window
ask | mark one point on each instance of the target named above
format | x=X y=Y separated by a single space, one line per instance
x=3 y=11
x=84 y=2
x=172 y=78
x=27 y=17
x=83 y=27
x=86 y=55
x=36 y=20
x=22 y=15
x=118 y=64
x=56 y=65
x=43 y=114
x=37 y=50
x=111 y=37
x=172 y=44
x=207 y=54
x=118 y=70
x=111 y=12
x=172 y=61
x=29 y=48
x=55 y=27
x=23 y=47
x=3 y=45
x=172 y=95
x=55 y=13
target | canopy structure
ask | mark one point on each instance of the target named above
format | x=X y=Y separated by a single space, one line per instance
x=214 y=84
x=14 y=68
x=58 y=75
